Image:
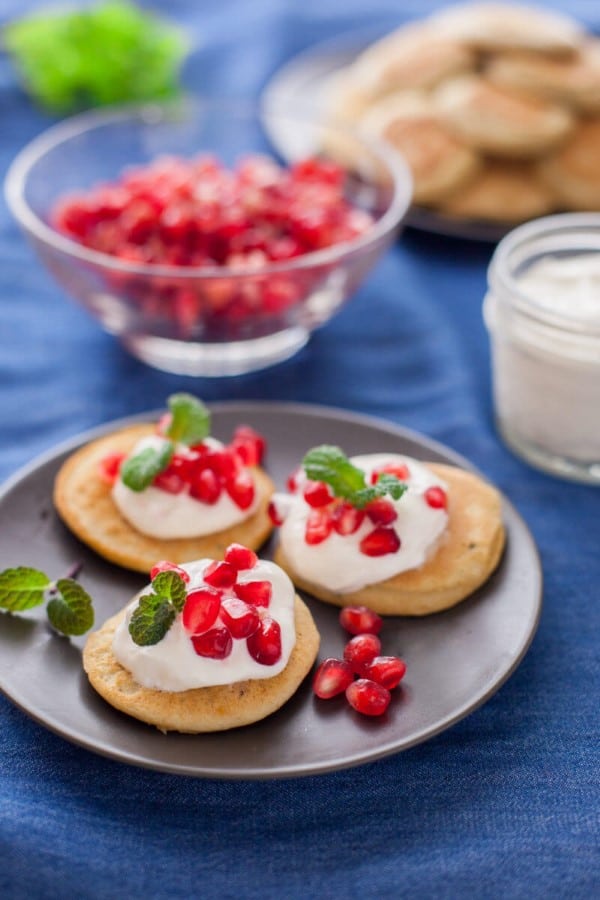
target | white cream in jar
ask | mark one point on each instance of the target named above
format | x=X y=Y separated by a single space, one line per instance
x=173 y=665
x=337 y=562
x=543 y=315
x=159 y=514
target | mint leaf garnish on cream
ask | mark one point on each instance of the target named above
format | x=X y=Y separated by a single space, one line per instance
x=331 y=465
x=69 y=607
x=156 y=612
x=139 y=471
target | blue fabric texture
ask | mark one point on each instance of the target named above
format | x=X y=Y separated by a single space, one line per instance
x=505 y=803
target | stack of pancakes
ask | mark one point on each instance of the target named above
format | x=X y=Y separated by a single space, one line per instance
x=495 y=107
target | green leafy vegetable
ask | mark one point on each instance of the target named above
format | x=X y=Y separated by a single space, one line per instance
x=331 y=465
x=139 y=471
x=156 y=612
x=22 y=588
x=69 y=607
x=112 y=52
x=190 y=422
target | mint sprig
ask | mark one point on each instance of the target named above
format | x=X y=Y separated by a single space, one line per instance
x=69 y=607
x=156 y=612
x=190 y=422
x=189 y=425
x=139 y=471
x=331 y=465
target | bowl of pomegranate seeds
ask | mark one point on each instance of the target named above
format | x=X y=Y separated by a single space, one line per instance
x=181 y=229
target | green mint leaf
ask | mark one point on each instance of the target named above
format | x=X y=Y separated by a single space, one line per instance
x=111 y=52
x=331 y=465
x=139 y=471
x=22 y=588
x=151 y=620
x=170 y=586
x=190 y=422
x=70 y=609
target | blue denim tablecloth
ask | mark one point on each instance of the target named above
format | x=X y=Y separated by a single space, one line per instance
x=504 y=804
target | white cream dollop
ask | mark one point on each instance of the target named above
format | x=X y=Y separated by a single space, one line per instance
x=158 y=514
x=173 y=664
x=337 y=562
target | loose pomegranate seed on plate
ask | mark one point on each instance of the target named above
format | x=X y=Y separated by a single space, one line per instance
x=215 y=644
x=165 y=566
x=436 y=497
x=220 y=574
x=387 y=671
x=240 y=618
x=368 y=697
x=332 y=678
x=380 y=542
x=201 y=609
x=360 y=620
x=265 y=644
x=240 y=557
x=258 y=593
x=360 y=650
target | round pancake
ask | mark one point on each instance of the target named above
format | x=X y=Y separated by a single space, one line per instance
x=574 y=82
x=573 y=173
x=463 y=561
x=439 y=162
x=500 y=122
x=411 y=58
x=502 y=192
x=84 y=502
x=506 y=26
x=206 y=709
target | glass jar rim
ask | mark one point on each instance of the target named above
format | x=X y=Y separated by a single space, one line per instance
x=574 y=233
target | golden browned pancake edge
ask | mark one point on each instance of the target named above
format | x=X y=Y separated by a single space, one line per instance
x=464 y=560
x=83 y=501
x=502 y=192
x=217 y=708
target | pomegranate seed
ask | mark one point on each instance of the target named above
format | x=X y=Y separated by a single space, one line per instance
x=205 y=486
x=274 y=513
x=360 y=620
x=317 y=493
x=201 y=609
x=388 y=671
x=249 y=445
x=216 y=643
x=380 y=542
x=368 y=697
x=220 y=574
x=381 y=511
x=258 y=593
x=240 y=618
x=332 y=678
x=294 y=480
x=347 y=519
x=170 y=481
x=165 y=566
x=265 y=644
x=240 y=557
x=400 y=470
x=224 y=463
x=360 y=650
x=436 y=497
x=109 y=466
x=241 y=489
x=319 y=525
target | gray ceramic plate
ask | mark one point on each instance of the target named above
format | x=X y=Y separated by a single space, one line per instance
x=456 y=660
x=301 y=84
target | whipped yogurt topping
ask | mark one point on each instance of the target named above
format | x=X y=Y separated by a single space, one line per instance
x=173 y=664
x=337 y=563
x=159 y=514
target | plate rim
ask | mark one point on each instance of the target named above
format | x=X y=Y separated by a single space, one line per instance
x=349 y=760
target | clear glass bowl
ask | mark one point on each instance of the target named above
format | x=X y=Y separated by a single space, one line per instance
x=171 y=317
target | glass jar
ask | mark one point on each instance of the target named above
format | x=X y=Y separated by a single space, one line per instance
x=542 y=311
